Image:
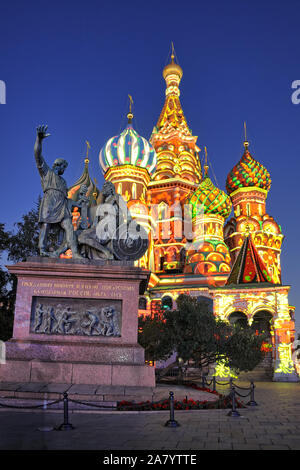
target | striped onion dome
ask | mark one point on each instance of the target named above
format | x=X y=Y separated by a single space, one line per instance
x=248 y=172
x=210 y=199
x=128 y=148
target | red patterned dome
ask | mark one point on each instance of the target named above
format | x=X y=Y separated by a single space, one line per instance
x=248 y=172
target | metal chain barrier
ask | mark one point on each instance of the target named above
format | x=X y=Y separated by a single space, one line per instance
x=67 y=426
x=103 y=407
x=32 y=407
x=243 y=396
x=234 y=386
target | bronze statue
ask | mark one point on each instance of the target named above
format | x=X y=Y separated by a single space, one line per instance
x=106 y=231
x=54 y=208
x=113 y=234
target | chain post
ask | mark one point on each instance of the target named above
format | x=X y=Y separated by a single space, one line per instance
x=66 y=426
x=233 y=412
x=172 y=423
x=252 y=402
x=214 y=383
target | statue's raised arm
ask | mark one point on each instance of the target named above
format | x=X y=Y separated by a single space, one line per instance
x=54 y=207
x=41 y=134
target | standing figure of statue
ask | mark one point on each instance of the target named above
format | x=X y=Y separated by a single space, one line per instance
x=54 y=208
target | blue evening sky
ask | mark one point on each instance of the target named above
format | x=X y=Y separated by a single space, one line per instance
x=72 y=65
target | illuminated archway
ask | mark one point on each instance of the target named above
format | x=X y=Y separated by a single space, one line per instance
x=167 y=302
x=238 y=319
x=142 y=303
x=262 y=321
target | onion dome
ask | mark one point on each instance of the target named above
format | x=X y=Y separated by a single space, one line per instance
x=172 y=68
x=248 y=172
x=85 y=179
x=210 y=199
x=128 y=148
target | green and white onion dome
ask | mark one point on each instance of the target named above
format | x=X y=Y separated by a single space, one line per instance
x=128 y=148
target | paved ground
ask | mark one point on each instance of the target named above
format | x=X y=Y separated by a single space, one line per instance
x=273 y=425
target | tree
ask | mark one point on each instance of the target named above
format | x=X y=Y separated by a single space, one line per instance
x=244 y=349
x=196 y=334
x=151 y=338
x=24 y=242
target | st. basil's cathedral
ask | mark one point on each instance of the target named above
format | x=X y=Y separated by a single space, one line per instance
x=231 y=261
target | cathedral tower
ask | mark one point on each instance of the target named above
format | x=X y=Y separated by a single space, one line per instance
x=177 y=174
x=128 y=161
x=248 y=184
x=208 y=255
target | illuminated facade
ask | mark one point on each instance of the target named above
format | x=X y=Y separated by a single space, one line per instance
x=192 y=249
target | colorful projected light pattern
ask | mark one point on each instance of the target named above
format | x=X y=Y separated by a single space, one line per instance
x=223 y=371
x=286 y=365
x=128 y=148
x=249 y=266
x=213 y=200
x=248 y=172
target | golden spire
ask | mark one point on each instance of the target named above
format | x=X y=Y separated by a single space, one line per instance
x=173 y=68
x=130 y=114
x=95 y=194
x=172 y=53
x=246 y=143
x=205 y=163
x=88 y=146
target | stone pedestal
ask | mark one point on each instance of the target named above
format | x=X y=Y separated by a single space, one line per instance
x=77 y=322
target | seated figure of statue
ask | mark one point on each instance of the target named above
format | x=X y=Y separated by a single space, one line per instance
x=113 y=234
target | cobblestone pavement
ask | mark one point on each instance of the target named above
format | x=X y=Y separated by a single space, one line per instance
x=272 y=425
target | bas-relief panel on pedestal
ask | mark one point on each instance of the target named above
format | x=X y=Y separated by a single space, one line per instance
x=80 y=317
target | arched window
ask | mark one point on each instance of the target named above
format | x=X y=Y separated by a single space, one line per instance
x=262 y=321
x=206 y=302
x=142 y=303
x=134 y=191
x=248 y=209
x=162 y=211
x=167 y=302
x=182 y=255
x=238 y=319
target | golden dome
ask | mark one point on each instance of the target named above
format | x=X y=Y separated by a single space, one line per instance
x=172 y=68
